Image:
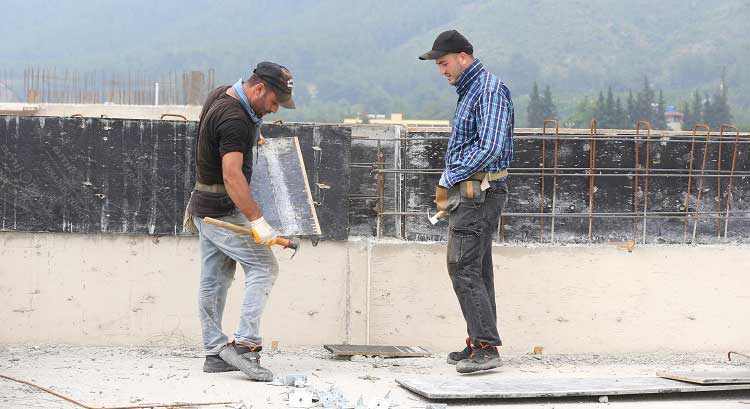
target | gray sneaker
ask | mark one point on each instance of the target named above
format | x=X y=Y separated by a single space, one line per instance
x=481 y=359
x=247 y=360
x=458 y=356
x=215 y=364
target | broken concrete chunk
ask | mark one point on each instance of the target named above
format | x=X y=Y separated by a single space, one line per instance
x=298 y=381
x=300 y=398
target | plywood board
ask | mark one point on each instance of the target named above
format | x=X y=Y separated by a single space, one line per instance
x=708 y=377
x=378 y=350
x=279 y=185
x=500 y=387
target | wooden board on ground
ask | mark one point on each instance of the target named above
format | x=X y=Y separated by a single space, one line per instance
x=708 y=377
x=496 y=386
x=377 y=350
x=279 y=185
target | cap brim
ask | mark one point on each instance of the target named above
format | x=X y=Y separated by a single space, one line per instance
x=288 y=104
x=432 y=55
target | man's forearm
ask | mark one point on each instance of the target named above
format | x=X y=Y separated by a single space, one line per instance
x=239 y=191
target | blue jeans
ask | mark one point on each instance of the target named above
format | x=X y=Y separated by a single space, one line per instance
x=471 y=228
x=221 y=250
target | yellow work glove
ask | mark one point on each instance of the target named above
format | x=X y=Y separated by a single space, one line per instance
x=263 y=233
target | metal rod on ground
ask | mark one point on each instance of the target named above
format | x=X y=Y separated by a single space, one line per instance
x=592 y=167
x=731 y=177
x=698 y=203
x=153 y=405
x=645 y=179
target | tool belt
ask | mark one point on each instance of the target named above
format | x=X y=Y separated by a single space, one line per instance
x=218 y=188
x=489 y=175
x=469 y=190
x=210 y=201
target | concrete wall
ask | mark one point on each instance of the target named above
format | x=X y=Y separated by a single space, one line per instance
x=140 y=290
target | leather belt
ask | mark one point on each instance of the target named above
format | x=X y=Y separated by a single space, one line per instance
x=490 y=175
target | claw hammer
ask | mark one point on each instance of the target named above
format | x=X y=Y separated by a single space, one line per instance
x=284 y=242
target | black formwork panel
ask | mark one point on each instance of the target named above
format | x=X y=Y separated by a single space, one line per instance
x=97 y=175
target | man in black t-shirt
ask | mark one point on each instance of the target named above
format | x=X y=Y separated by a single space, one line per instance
x=229 y=127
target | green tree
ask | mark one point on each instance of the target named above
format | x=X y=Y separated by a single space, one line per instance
x=535 y=115
x=688 y=117
x=600 y=111
x=621 y=118
x=721 y=111
x=709 y=114
x=549 y=110
x=583 y=114
x=659 y=121
x=609 y=114
x=696 y=113
x=631 y=113
x=644 y=99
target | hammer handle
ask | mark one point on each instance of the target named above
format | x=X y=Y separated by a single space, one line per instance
x=245 y=230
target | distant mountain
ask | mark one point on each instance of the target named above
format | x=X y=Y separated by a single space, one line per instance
x=350 y=57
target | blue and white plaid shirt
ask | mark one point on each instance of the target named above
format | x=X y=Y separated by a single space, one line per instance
x=482 y=136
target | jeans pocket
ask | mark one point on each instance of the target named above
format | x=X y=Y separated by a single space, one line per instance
x=454 y=249
x=466 y=219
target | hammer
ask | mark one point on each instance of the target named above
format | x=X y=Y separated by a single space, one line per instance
x=292 y=243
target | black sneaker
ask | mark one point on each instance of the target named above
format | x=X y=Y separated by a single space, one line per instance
x=458 y=356
x=247 y=360
x=481 y=359
x=215 y=364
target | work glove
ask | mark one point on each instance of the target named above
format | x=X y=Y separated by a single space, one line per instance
x=263 y=233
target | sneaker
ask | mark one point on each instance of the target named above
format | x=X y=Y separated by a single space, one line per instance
x=458 y=356
x=247 y=360
x=215 y=364
x=481 y=359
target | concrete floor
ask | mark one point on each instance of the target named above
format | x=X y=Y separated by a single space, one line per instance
x=121 y=376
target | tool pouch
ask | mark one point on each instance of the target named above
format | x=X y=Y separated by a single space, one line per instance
x=446 y=200
x=471 y=191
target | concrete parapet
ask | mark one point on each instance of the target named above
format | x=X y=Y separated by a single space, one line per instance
x=86 y=289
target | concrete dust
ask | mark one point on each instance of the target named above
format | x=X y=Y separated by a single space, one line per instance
x=117 y=376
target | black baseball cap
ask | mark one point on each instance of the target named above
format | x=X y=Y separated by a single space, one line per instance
x=280 y=79
x=447 y=42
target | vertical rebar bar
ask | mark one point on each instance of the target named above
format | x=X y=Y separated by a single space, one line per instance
x=554 y=174
x=731 y=176
x=645 y=177
x=592 y=167
x=700 y=182
x=690 y=177
x=541 y=194
x=379 y=192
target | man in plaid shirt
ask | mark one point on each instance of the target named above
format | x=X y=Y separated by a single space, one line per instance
x=480 y=149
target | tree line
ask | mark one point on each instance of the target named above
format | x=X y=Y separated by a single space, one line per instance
x=648 y=104
x=712 y=111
